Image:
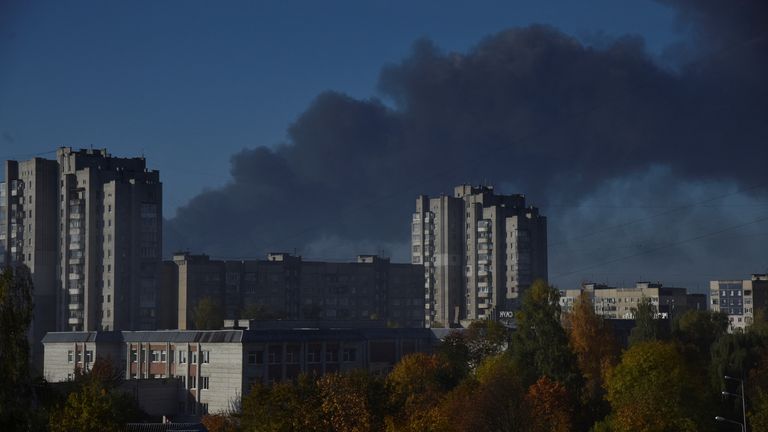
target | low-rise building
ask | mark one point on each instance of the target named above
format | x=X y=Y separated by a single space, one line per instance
x=217 y=367
x=739 y=299
x=617 y=303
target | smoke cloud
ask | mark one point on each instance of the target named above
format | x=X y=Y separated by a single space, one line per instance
x=565 y=123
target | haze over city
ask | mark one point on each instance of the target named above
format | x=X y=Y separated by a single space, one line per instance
x=637 y=128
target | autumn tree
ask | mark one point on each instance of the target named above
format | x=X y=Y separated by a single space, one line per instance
x=416 y=386
x=281 y=407
x=219 y=423
x=16 y=392
x=540 y=344
x=208 y=315
x=596 y=352
x=549 y=407
x=351 y=402
x=653 y=390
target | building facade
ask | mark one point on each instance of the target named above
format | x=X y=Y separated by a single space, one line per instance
x=480 y=251
x=111 y=236
x=618 y=303
x=287 y=287
x=89 y=227
x=739 y=299
x=28 y=234
x=216 y=368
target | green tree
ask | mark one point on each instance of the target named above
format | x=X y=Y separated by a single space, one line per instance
x=91 y=409
x=485 y=338
x=16 y=306
x=208 y=315
x=654 y=390
x=646 y=323
x=540 y=344
x=700 y=329
x=257 y=311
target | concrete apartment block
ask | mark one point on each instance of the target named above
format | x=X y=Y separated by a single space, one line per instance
x=110 y=212
x=285 y=286
x=617 y=303
x=480 y=251
x=28 y=234
x=89 y=227
x=739 y=299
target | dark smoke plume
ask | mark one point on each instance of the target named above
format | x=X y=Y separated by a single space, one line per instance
x=530 y=108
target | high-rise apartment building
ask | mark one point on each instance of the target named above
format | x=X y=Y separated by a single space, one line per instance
x=479 y=250
x=28 y=227
x=110 y=234
x=739 y=299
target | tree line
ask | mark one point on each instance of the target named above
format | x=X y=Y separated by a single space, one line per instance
x=554 y=372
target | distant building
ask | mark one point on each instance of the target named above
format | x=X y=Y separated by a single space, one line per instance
x=480 y=252
x=617 y=303
x=287 y=287
x=216 y=368
x=739 y=299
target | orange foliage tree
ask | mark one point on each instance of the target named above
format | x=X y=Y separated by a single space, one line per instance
x=549 y=407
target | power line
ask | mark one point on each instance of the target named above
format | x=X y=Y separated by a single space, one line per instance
x=660 y=248
x=653 y=216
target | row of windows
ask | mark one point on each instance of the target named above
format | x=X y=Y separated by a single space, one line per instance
x=73 y=356
x=161 y=356
x=312 y=356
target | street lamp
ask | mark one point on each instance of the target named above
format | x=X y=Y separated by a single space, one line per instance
x=723 y=419
x=743 y=400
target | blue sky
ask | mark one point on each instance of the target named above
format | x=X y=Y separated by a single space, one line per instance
x=188 y=83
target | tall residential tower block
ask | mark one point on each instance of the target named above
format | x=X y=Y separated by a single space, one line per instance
x=479 y=250
x=89 y=227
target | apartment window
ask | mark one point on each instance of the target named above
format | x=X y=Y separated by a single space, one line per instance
x=182 y=357
x=183 y=381
x=89 y=356
x=204 y=408
x=134 y=355
x=70 y=356
x=78 y=356
x=255 y=357
x=349 y=354
x=193 y=381
x=194 y=356
x=206 y=356
x=155 y=356
x=204 y=382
